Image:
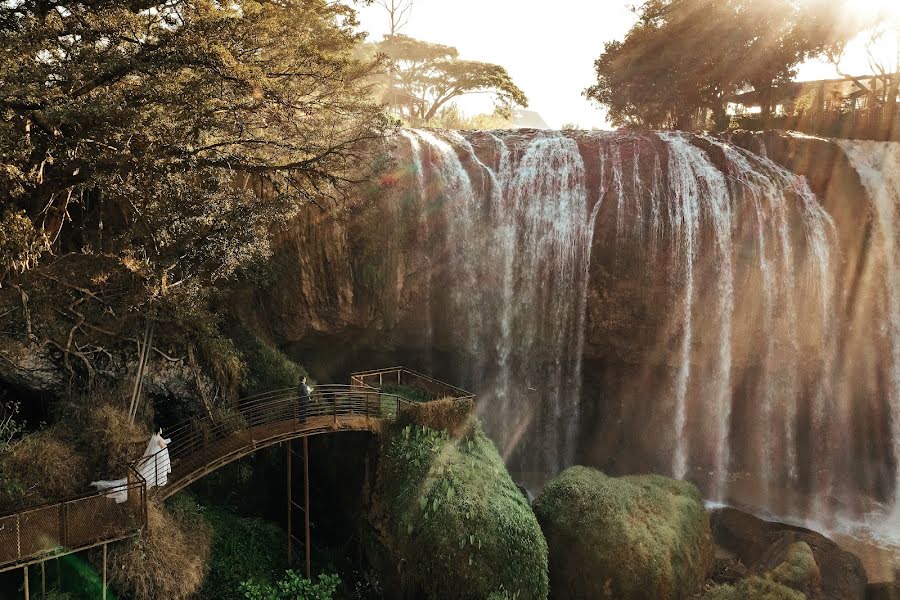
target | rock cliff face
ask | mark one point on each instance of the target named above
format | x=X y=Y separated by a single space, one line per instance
x=718 y=310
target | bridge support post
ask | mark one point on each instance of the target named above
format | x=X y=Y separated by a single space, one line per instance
x=25 y=571
x=306 y=500
x=104 y=571
x=290 y=505
x=43 y=579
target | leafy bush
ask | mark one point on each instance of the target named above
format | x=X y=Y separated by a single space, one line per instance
x=753 y=588
x=292 y=587
x=43 y=466
x=638 y=537
x=410 y=393
x=267 y=368
x=20 y=243
x=456 y=519
x=243 y=549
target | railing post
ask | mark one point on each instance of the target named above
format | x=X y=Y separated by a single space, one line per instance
x=334 y=400
x=62 y=524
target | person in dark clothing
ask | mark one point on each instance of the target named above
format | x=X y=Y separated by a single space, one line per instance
x=304 y=393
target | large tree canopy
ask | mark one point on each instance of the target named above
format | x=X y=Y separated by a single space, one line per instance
x=684 y=57
x=424 y=77
x=175 y=131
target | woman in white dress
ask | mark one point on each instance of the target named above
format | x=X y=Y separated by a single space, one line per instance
x=153 y=466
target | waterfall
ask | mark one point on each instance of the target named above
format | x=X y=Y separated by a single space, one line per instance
x=700 y=186
x=657 y=302
x=518 y=237
x=878 y=167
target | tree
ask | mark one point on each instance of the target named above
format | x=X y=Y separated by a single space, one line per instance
x=684 y=58
x=424 y=77
x=399 y=12
x=881 y=32
x=177 y=132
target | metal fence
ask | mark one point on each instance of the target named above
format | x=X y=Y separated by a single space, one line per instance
x=875 y=123
x=401 y=376
x=71 y=525
x=201 y=445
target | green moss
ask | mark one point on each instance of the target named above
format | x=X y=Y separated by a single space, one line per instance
x=799 y=569
x=267 y=368
x=753 y=588
x=638 y=537
x=459 y=524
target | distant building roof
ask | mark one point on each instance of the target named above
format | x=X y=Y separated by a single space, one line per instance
x=846 y=87
x=528 y=119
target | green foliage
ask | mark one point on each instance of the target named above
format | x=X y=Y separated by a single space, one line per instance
x=424 y=77
x=457 y=519
x=638 y=537
x=179 y=133
x=243 y=550
x=412 y=394
x=267 y=368
x=753 y=588
x=452 y=117
x=681 y=58
x=292 y=587
x=20 y=244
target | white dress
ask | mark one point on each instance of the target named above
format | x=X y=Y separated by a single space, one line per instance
x=153 y=466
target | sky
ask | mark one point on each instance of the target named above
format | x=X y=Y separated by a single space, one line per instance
x=548 y=48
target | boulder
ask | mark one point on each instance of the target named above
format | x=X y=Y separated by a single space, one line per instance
x=453 y=520
x=629 y=538
x=764 y=546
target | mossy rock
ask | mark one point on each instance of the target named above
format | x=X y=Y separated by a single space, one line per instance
x=455 y=520
x=753 y=588
x=629 y=538
x=799 y=569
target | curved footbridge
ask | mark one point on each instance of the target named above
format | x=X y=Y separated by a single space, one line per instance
x=200 y=446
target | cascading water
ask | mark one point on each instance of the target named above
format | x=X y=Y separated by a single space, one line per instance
x=878 y=167
x=660 y=302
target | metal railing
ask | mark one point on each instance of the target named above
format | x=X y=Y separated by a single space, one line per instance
x=202 y=444
x=401 y=376
x=199 y=446
x=72 y=525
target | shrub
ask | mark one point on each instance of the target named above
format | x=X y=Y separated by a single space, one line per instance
x=410 y=393
x=456 y=519
x=110 y=438
x=753 y=588
x=267 y=368
x=44 y=467
x=293 y=587
x=448 y=415
x=167 y=561
x=639 y=537
x=243 y=549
